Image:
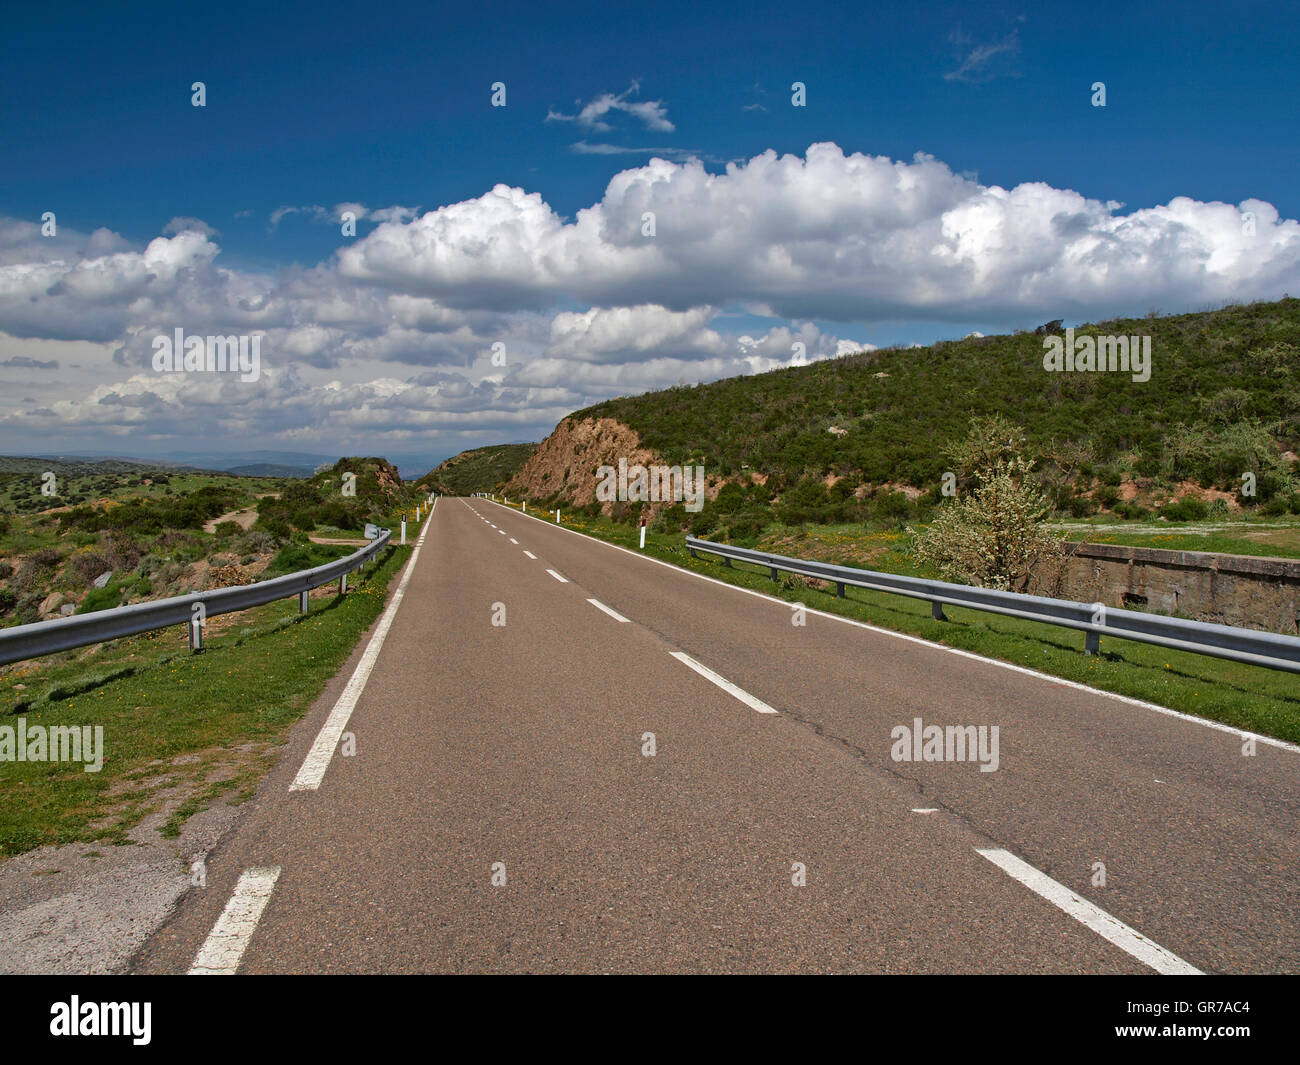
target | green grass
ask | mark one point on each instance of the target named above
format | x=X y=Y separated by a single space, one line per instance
x=198 y=726
x=1279 y=539
x=1247 y=697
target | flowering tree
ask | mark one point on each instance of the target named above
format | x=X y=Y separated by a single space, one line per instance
x=991 y=536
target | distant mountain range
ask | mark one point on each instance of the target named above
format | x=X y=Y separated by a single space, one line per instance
x=244 y=463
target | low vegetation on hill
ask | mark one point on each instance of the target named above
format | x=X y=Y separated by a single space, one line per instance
x=869 y=437
x=103 y=538
x=484 y=469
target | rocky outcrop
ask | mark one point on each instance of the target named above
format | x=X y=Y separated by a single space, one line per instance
x=565 y=464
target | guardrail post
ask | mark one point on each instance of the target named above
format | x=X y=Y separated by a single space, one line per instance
x=936 y=612
x=196 y=635
x=343 y=584
x=302 y=602
x=726 y=561
x=773 y=573
x=839 y=590
x=1092 y=642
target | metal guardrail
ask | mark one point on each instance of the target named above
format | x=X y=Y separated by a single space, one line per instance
x=46 y=637
x=1271 y=649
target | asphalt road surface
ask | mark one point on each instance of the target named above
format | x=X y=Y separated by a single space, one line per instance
x=491 y=799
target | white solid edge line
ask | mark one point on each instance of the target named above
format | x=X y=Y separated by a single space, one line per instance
x=562 y=580
x=531 y=555
x=1128 y=699
x=1109 y=928
x=722 y=682
x=312 y=770
x=612 y=613
x=224 y=948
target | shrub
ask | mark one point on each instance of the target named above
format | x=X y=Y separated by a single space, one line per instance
x=1130 y=511
x=45 y=559
x=294 y=557
x=101 y=599
x=277 y=528
x=704 y=522
x=255 y=541
x=87 y=565
x=992 y=536
x=1186 y=509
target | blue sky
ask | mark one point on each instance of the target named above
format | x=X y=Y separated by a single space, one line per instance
x=314 y=106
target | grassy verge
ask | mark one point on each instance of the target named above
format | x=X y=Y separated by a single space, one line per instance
x=1282 y=541
x=180 y=729
x=1248 y=697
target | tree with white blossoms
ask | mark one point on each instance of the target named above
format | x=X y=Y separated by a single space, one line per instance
x=992 y=535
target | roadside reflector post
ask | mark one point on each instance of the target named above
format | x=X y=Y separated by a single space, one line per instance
x=936 y=612
x=557 y=515
x=302 y=602
x=403 y=530
x=643 y=534
x=525 y=506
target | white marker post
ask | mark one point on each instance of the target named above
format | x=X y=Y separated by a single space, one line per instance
x=403 y=531
x=525 y=506
x=557 y=515
x=643 y=534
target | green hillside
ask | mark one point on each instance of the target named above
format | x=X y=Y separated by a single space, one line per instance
x=483 y=469
x=1223 y=398
x=150 y=534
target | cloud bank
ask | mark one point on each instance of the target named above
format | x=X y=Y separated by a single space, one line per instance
x=491 y=318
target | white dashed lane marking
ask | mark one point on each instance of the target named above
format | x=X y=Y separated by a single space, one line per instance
x=612 y=613
x=224 y=948
x=704 y=671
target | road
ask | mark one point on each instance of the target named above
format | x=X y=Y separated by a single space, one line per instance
x=770 y=830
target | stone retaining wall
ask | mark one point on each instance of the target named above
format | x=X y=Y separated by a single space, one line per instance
x=1257 y=593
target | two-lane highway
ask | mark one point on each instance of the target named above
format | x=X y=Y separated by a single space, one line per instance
x=568 y=757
